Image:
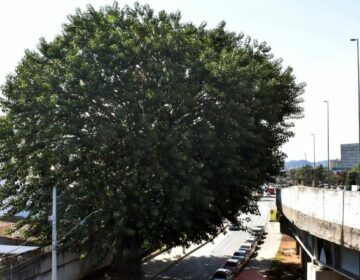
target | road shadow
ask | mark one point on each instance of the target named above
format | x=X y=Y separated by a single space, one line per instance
x=190 y=268
x=201 y=268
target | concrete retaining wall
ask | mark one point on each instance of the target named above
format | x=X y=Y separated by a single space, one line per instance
x=70 y=266
x=329 y=214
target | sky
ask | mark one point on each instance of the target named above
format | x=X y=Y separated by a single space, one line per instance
x=313 y=37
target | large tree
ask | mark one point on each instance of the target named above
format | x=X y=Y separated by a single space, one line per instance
x=167 y=127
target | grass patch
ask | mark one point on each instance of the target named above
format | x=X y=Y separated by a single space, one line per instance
x=281 y=270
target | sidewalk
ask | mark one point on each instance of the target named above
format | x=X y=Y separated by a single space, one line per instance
x=257 y=267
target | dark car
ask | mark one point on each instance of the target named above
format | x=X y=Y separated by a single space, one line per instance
x=240 y=255
x=234 y=227
x=223 y=274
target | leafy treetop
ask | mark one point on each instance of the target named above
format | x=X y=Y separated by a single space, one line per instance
x=168 y=127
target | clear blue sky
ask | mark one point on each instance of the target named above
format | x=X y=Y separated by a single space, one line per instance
x=311 y=36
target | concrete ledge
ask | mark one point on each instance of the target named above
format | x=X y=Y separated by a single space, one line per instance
x=339 y=234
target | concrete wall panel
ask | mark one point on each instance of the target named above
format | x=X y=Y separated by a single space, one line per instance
x=328 y=214
x=324 y=204
x=352 y=209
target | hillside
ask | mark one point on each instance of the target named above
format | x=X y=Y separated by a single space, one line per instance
x=301 y=163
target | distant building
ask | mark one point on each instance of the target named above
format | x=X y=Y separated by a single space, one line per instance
x=333 y=163
x=349 y=156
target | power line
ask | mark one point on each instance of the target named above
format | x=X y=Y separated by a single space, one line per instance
x=80 y=223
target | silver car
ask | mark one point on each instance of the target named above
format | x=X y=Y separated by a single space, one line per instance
x=251 y=239
x=258 y=231
x=247 y=246
x=233 y=265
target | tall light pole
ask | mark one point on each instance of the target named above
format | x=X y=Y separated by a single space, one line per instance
x=305 y=159
x=313 y=135
x=53 y=239
x=358 y=78
x=328 y=153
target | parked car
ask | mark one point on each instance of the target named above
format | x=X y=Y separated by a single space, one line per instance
x=258 y=231
x=223 y=274
x=260 y=227
x=247 y=246
x=234 y=227
x=251 y=239
x=255 y=236
x=233 y=265
x=240 y=255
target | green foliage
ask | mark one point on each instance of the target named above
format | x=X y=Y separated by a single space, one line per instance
x=321 y=174
x=168 y=127
x=339 y=178
x=305 y=175
x=352 y=176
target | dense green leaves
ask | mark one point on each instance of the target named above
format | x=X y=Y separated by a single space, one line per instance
x=168 y=127
x=306 y=175
x=352 y=176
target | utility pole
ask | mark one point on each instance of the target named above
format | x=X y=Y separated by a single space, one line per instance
x=328 y=144
x=313 y=135
x=53 y=239
x=358 y=79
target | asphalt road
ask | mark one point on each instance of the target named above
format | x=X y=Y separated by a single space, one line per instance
x=201 y=264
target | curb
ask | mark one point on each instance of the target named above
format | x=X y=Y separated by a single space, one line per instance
x=154 y=255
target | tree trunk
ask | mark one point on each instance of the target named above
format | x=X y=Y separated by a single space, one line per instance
x=127 y=263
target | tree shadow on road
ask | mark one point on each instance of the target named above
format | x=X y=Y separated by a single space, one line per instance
x=190 y=268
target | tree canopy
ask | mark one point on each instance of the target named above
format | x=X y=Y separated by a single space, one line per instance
x=308 y=176
x=169 y=128
x=352 y=176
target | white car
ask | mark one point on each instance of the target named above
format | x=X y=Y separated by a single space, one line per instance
x=251 y=239
x=258 y=231
x=247 y=246
x=233 y=265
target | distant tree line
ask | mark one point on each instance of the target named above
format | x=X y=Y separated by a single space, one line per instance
x=306 y=175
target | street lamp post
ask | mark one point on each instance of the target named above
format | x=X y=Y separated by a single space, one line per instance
x=313 y=135
x=328 y=152
x=53 y=239
x=358 y=78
